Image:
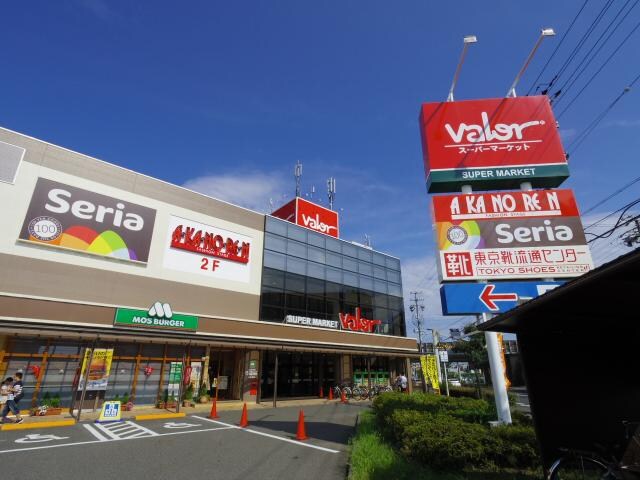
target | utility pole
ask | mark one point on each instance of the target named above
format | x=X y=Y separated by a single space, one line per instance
x=417 y=307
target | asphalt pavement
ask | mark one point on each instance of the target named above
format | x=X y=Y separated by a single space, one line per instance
x=188 y=447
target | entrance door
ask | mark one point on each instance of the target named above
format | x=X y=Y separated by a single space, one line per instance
x=299 y=374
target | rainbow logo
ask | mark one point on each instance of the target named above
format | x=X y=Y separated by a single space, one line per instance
x=459 y=236
x=107 y=243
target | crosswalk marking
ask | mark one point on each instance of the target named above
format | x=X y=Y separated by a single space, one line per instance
x=94 y=432
x=120 y=431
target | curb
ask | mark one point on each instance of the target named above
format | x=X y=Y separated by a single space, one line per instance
x=158 y=416
x=28 y=426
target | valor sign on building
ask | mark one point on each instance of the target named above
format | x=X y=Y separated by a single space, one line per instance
x=492 y=143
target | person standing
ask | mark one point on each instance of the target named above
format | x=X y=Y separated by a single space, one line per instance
x=403 y=383
x=13 y=398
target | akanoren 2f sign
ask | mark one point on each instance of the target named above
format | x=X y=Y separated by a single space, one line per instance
x=491 y=144
x=514 y=235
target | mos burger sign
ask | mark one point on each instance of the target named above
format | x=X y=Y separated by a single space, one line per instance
x=491 y=144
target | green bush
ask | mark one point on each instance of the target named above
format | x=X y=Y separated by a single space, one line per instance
x=439 y=441
x=453 y=433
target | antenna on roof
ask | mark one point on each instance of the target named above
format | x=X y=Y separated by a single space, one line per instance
x=331 y=191
x=298 y=174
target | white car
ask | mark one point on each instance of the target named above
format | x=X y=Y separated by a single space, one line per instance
x=455 y=383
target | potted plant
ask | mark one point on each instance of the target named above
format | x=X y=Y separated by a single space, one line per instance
x=126 y=404
x=188 y=396
x=203 y=394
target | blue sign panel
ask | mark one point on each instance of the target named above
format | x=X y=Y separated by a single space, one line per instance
x=497 y=297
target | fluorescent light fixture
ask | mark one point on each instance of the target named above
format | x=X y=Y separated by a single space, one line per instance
x=547 y=32
x=470 y=39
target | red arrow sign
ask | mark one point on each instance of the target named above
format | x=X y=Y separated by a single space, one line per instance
x=489 y=298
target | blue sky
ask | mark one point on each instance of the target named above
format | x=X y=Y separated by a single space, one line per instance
x=226 y=96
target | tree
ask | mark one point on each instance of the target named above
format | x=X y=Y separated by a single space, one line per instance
x=474 y=347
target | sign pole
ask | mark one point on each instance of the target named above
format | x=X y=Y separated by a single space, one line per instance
x=497 y=377
x=86 y=378
x=275 y=382
x=446 y=380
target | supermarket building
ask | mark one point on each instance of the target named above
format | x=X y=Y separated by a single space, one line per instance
x=96 y=256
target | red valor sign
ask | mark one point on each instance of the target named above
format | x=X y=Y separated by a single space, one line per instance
x=309 y=215
x=491 y=144
x=357 y=323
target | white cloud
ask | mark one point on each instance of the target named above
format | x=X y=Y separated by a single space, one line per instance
x=606 y=249
x=252 y=190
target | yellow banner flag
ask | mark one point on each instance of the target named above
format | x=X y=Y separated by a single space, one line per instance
x=429 y=366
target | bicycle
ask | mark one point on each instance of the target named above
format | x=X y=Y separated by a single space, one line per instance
x=586 y=465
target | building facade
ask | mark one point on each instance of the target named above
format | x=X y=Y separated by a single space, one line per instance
x=94 y=256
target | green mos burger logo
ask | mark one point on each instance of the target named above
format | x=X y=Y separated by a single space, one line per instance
x=160 y=315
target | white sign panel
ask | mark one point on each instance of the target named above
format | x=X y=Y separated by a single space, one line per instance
x=510 y=263
x=207 y=250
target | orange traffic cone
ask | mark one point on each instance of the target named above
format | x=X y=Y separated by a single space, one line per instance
x=331 y=394
x=343 y=397
x=321 y=392
x=214 y=411
x=244 y=422
x=301 y=434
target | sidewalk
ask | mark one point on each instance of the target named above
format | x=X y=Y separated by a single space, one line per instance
x=200 y=408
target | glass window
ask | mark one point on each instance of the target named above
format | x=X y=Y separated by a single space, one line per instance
x=365 y=268
x=349 y=249
x=272 y=314
x=316 y=239
x=334 y=275
x=379 y=272
x=333 y=308
x=366 y=283
x=379 y=259
x=274 y=298
x=351 y=295
x=315 y=270
x=393 y=276
x=316 y=254
x=294 y=283
x=349 y=264
x=380 y=300
x=364 y=254
x=393 y=263
x=380 y=286
x=366 y=298
x=315 y=305
x=274 y=225
x=274 y=260
x=296 y=265
x=395 y=289
x=296 y=301
x=297 y=233
x=315 y=287
x=333 y=244
x=334 y=260
x=333 y=290
x=350 y=279
x=395 y=303
x=276 y=243
x=296 y=249
x=273 y=278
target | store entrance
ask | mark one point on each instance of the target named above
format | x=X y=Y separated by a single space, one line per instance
x=299 y=374
x=222 y=366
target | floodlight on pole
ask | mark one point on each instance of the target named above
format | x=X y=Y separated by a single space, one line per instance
x=468 y=40
x=545 y=32
x=297 y=173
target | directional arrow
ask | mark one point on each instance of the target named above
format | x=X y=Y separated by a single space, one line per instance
x=489 y=298
x=180 y=425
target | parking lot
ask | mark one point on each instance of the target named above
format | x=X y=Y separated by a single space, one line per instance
x=193 y=445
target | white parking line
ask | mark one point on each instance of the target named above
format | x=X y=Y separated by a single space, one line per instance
x=94 y=432
x=296 y=442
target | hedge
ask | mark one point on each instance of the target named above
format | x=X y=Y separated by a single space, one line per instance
x=453 y=433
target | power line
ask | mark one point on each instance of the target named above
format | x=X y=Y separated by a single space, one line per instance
x=573 y=78
x=579 y=46
x=606 y=199
x=599 y=70
x=628 y=205
x=587 y=131
x=535 y=82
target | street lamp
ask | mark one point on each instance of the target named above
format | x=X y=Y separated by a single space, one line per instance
x=468 y=40
x=545 y=32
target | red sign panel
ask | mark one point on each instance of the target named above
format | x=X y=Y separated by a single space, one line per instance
x=487 y=206
x=309 y=215
x=209 y=243
x=493 y=143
